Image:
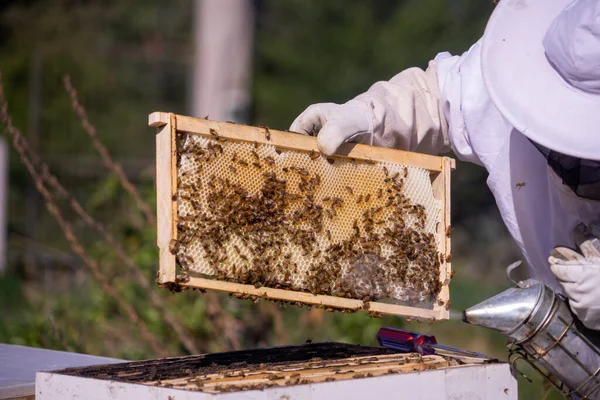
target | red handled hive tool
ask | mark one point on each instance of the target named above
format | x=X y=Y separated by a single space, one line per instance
x=413 y=342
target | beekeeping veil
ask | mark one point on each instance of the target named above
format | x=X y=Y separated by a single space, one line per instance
x=541 y=66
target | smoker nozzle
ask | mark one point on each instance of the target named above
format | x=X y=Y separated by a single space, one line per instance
x=464 y=317
x=507 y=310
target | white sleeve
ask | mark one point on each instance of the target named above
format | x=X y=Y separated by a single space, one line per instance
x=465 y=101
x=407 y=112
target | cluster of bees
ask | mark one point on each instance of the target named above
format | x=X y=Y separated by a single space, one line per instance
x=262 y=229
x=269 y=375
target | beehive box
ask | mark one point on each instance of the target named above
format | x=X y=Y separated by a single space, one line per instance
x=261 y=214
x=309 y=371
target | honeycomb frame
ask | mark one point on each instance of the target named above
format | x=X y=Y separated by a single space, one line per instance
x=169 y=125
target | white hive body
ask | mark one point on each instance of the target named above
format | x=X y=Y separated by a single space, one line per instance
x=250 y=213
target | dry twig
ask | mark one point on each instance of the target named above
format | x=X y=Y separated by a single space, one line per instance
x=223 y=322
x=108 y=161
x=155 y=299
x=278 y=323
x=17 y=141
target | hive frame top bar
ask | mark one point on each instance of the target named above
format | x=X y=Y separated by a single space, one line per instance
x=297 y=141
x=169 y=124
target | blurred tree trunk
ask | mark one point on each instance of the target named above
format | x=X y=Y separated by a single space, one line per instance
x=222 y=66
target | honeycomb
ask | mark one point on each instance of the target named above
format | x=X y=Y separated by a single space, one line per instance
x=251 y=213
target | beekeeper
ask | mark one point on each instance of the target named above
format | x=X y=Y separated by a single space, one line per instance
x=523 y=102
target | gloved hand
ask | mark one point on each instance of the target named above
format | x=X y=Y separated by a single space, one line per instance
x=579 y=276
x=336 y=124
x=403 y=113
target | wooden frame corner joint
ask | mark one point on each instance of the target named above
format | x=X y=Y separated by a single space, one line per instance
x=158 y=119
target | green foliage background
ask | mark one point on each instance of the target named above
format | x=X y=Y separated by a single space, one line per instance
x=129 y=58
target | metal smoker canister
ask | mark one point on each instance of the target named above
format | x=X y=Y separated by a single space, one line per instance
x=542 y=331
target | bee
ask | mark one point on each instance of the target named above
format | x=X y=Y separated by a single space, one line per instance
x=367 y=197
x=285 y=169
x=173 y=246
x=449 y=229
x=519 y=185
x=449 y=258
x=313 y=155
x=267 y=132
x=255 y=154
x=292 y=196
x=385 y=171
x=270 y=160
x=328 y=233
x=349 y=189
x=233 y=169
x=243 y=162
x=360 y=197
x=214 y=133
x=405 y=172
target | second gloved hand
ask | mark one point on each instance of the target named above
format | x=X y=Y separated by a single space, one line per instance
x=581 y=281
x=579 y=274
x=336 y=124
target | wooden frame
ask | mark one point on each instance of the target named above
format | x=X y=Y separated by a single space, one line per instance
x=166 y=181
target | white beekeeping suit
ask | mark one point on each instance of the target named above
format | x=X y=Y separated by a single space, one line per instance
x=523 y=102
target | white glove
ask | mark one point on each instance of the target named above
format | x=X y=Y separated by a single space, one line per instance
x=403 y=113
x=336 y=124
x=580 y=278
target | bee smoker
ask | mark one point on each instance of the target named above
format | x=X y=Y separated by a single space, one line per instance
x=542 y=331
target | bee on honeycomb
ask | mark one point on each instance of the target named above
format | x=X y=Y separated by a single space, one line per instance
x=253 y=214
